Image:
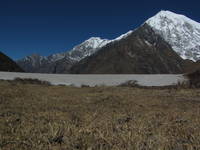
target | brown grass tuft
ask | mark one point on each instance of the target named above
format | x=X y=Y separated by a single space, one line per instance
x=39 y=117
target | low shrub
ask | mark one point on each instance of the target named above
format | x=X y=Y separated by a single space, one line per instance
x=194 y=79
x=130 y=83
x=31 y=81
x=84 y=86
x=179 y=85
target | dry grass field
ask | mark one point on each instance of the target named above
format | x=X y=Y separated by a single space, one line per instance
x=43 y=117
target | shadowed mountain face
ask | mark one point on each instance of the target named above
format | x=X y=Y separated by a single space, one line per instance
x=61 y=62
x=40 y=64
x=7 y=64
x=142 y=52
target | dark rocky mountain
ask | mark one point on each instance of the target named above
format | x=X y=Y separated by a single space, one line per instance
x=7 y=64
x=39 y=64
x=180 y=32
x=61 y=62
x=142 y=52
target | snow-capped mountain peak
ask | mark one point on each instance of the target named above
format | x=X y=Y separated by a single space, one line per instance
x=95 y=42
x=181 y=32
x=87 y=48
x=176 y=19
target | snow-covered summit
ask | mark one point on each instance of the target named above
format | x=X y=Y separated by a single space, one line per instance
x=177 y=19
x=91 y=46
x=181 y=32
x=87 y=48
x=95 y=42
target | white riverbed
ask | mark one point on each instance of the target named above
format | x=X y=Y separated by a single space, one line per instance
x=92 y=80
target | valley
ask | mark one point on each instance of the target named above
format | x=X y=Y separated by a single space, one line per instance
x=138 y=91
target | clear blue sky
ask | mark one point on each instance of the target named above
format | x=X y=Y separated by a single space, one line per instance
x=46 y=27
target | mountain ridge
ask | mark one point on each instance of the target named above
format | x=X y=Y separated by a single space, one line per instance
x=173 y=28
x=48 y=64
x=142 y=52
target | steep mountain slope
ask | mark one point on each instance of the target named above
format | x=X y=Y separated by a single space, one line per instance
x=7 y=64
x=142 y=51
x=182 y=33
